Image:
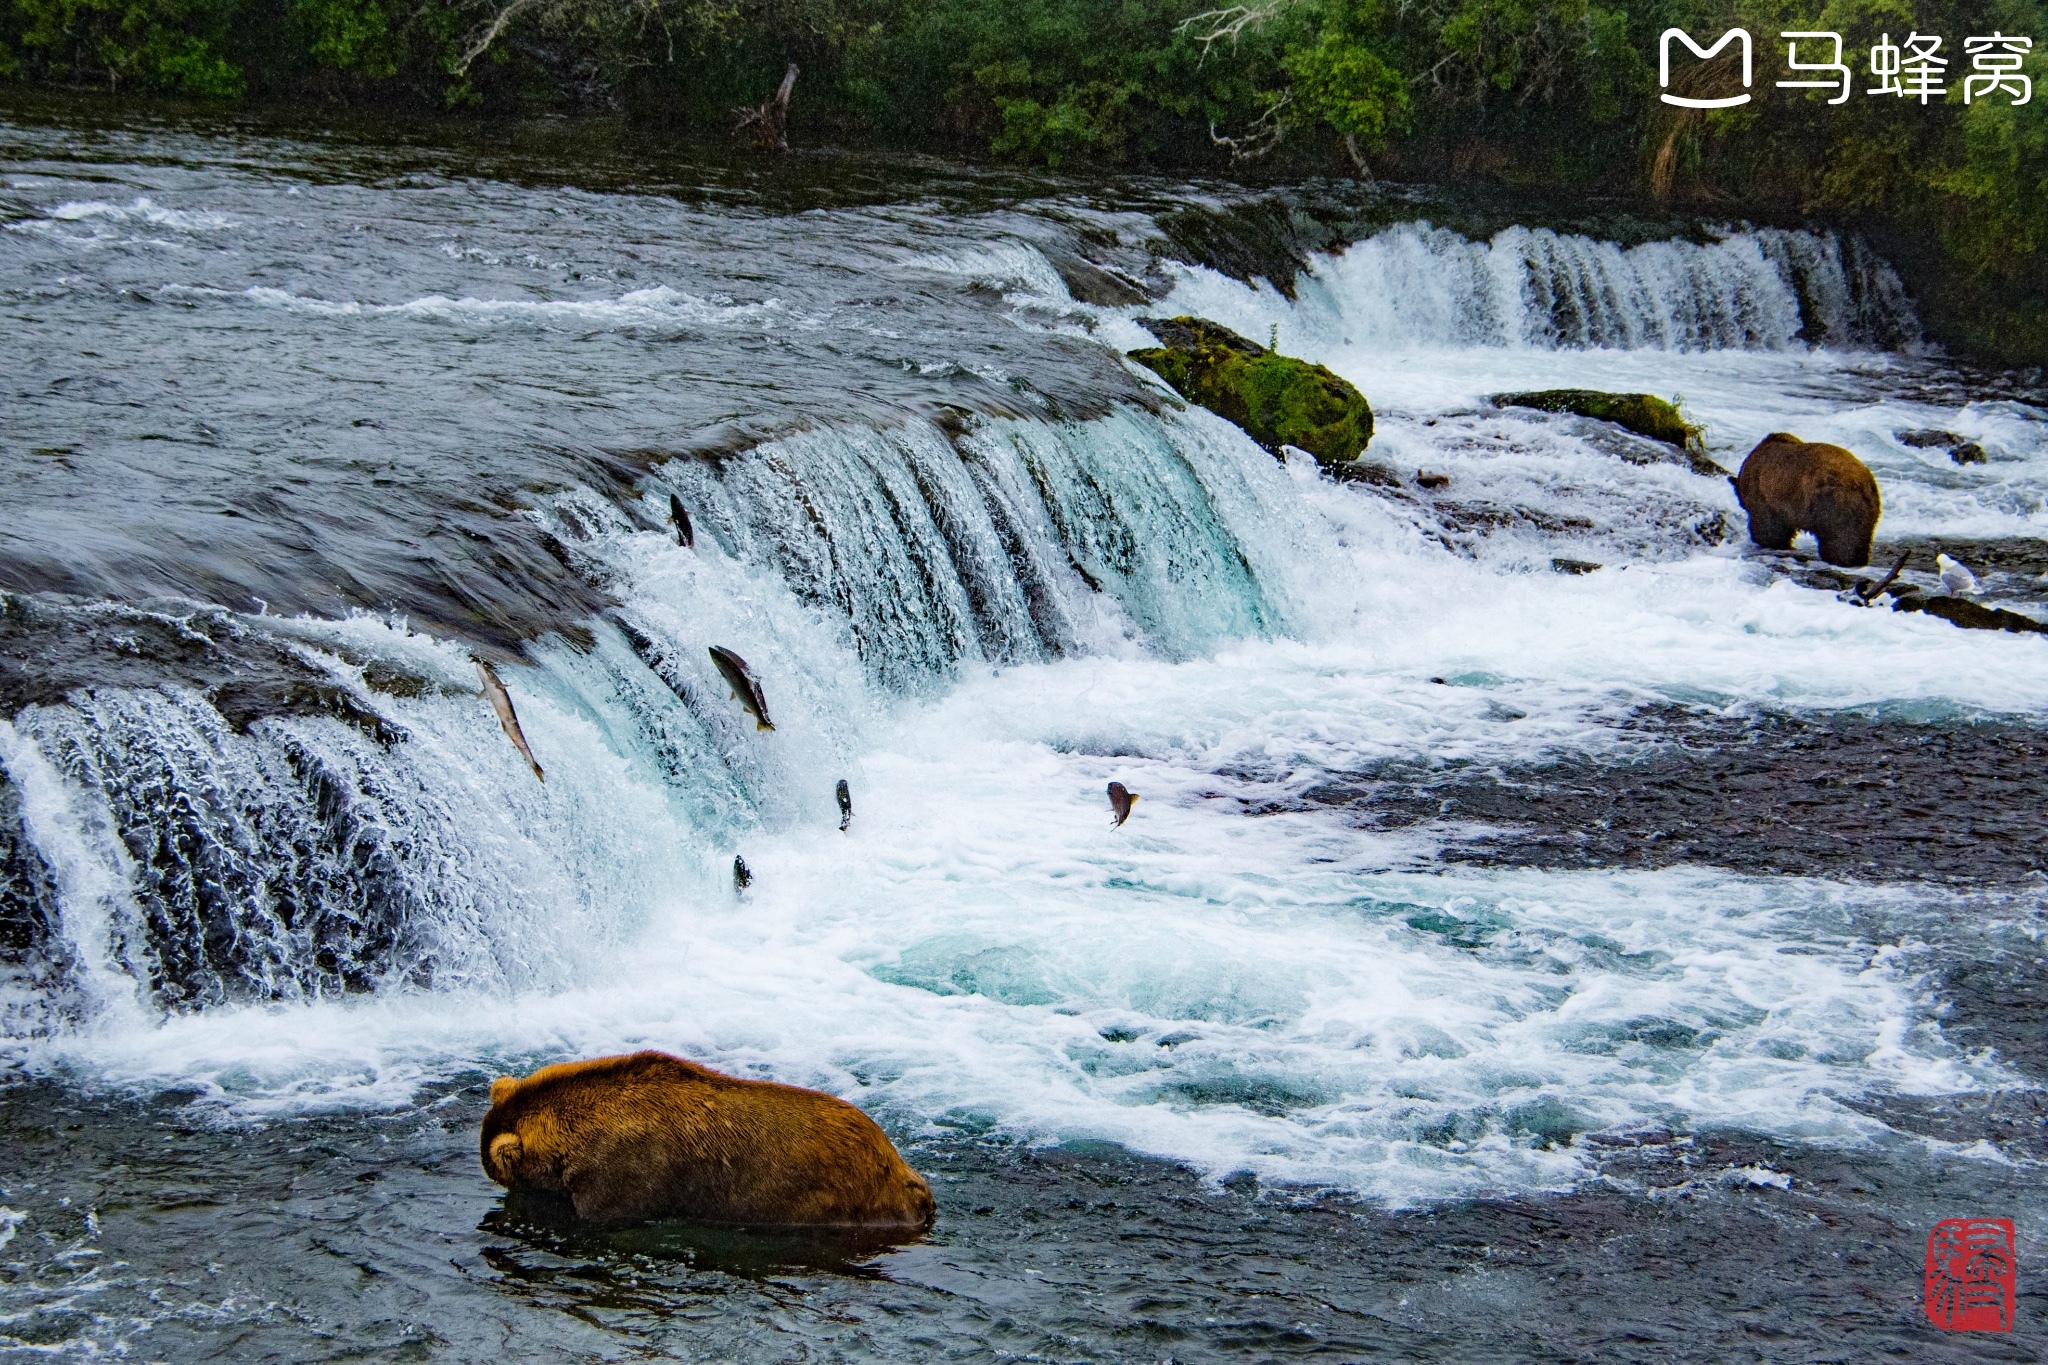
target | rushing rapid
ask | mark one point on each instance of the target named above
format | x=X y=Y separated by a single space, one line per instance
x=290 y=448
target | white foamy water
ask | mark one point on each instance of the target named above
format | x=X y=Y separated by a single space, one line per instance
x=1430 y=325
x=1416 y=285
x=659 y=306
x=143 y=210
x=979 y=627
x=982 y=952
x=101 y=223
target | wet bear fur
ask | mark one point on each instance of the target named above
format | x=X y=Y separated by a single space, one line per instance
x=1788 y=485
x=653 y=1136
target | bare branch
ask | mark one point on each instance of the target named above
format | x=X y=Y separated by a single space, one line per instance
x=1228 y=23
x=1262 y=137
x=559 y=14
x=490 y=34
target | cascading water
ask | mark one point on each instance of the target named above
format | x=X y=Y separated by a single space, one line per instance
x=301 y=857
x=262 y=842
x=296 y=444
x=1416 y=285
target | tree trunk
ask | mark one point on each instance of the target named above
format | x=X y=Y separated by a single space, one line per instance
x=1358 y=158
x=770 y=119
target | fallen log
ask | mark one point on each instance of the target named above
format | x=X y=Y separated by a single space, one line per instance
x=1958 y=611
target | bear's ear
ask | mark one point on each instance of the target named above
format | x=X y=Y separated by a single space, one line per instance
x=502 y=1088
x=502 y=1164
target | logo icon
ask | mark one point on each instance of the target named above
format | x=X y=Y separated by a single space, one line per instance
x=1972 y=1275
x=1733 y=35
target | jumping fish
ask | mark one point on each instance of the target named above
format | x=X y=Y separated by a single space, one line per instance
x=845 y=806
x=742 y=875
x=744 y=685
x=1121 y=799
x=501 y=702
x=685 y=536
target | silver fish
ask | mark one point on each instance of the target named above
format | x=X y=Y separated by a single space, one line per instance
x=1121 y=799
x=501 y=702
x=743 y=684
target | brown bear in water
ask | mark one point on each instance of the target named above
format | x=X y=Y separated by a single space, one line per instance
x=1788 y=485
x=654 y=1136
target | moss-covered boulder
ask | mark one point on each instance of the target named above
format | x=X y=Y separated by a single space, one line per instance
x=1643 y=413
x=1277 y=399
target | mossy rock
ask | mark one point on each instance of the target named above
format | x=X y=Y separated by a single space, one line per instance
x=1643 y=413
x=1277 y=399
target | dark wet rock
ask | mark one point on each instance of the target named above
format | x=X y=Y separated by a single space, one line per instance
x=1960 y=611
x=2014 y=1120
x=1260 y=239
x=1487 y=517
x=380 y=675
x=2000 y=1001
x=244 y=701
x=1845 y=794
x=51 y=647
x=1366 y=472
x=1278 y=400
x=2011 y=572
x=1090 y=283
x=1961 y=449
x=2008 y=570
x=1432 y=481
x=1572 y=566
x=1642 y=413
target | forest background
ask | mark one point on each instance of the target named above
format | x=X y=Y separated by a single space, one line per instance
x=1552 y=95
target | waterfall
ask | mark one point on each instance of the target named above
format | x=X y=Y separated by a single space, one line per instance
x=164 y=850
x=1417 y=285
x=206 y=807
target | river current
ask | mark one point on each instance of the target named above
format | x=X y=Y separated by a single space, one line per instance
x=1549 y=928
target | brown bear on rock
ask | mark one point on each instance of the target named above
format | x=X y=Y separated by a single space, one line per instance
x=1788 y=485
x=653 y=1136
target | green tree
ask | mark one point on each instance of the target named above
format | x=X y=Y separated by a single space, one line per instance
x=170 y=45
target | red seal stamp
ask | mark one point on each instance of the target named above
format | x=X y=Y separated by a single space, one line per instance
x=1972 y=1275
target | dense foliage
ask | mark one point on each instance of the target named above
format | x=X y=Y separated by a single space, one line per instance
x=1537 y=92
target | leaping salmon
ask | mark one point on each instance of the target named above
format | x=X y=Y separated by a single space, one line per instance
x=845 y=806
x=501 y=702
x=1121 y=799
x=685 y=536
x=744 y=685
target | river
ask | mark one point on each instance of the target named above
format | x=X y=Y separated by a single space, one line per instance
x=1550 y=928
